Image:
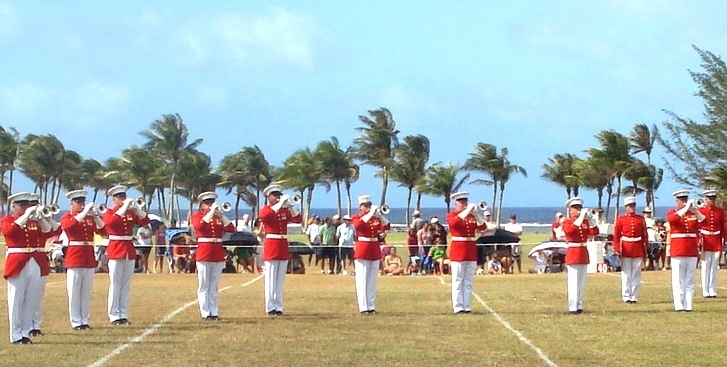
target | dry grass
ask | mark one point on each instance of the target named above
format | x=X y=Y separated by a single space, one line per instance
x=415 y=325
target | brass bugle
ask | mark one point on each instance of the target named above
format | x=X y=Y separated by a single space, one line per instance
x=593 y=212
x=385 y=209
x=48 y=211
x=482 y=205
x=140 y=202
x=296 y=199
x=700 y=203
x=226 y=207
x=102 y=208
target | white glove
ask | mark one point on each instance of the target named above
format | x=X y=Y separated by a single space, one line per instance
x=293 y=211
x=479 y=218
x=683 y=211
x=53 y=224
x=471 y=207
x=80 y=216
x=581 y=217
x=285 y=200
x=277 y=206
x=99 y=222
x=138 y=210
x=700 y=217
x=121 y=211
x=366 y=218
x=383 y=220
x=210 y=214
x=225 y=220
x=26 y=216
x=44 y=226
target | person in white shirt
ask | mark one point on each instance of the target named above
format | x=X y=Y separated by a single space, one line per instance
x=513 y=227
x=345 y=234
x=314 y=227
x=244 y=224
x=145 y=243
x=542 y=260
x=494 y=267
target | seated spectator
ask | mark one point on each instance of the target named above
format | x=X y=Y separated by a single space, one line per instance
x=542 y=260
x=494 y=267
x=181 y=252
x=244 y=259
x=392 y=263
x=296 y=264
x=610 y=257
x=101 y=257
x=439 y=255
x=413 y=268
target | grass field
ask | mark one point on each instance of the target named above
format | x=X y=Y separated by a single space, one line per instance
x=517 y=320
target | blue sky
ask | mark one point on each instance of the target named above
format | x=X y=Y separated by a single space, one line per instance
x=539 y=78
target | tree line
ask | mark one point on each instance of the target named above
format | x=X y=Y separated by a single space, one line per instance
x=168 y=164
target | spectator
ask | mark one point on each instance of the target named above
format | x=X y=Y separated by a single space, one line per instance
x=542 y=260
x=413 y=268
x=514 y=227
x=424 y=243
x=160 y=238
x=439 y=257
x=314 y=226
x=327 y=235
x=259 y=232
x=297 y=266
x=345 y=235
x=494 y=267
x=392 y=263
x=554 y=226
x=144 y=234
x=244 y=224
x=438 y=231
x=181 y=252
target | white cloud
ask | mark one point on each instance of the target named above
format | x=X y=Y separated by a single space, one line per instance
x=22 y=99
x=97 y=99
x=212 y=97
x=9 y=20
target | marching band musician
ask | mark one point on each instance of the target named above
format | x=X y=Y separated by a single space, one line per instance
x=209 y=223
x=275 y=216
x=25 y=264
x=630 y=240
x=684 y=249
x=119 y=222
x=577 y=229
x=369 y=224
x=712 y=231
x=55 y=231
x=80 y=224
x=463 y=222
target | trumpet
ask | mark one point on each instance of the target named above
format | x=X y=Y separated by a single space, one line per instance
x=385 y=209
x=101 y=208
x=296 y=199
x=48 y=211
x=140 y=202
x=225 y=207
x=482 y=205
x=700 y=203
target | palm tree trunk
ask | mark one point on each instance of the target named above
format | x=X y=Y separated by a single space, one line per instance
x=172 y=196
x=419 y=201
x=385 y=184
x=338 y=194
x=494 y=197
x=348 y=196
x=499 y=206
x=408 y=205
x=309 y=199
x=618 y=197
x=10 y=186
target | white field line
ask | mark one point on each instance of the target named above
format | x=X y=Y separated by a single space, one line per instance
x=156 y=327
x=643 y=282
x=507 y=326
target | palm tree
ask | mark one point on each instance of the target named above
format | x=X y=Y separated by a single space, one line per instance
x=354 y=172
x=642 y=139
x=562 y=172
x=196 y=176
x=93 y=174
x=44 y=160
x=504 y=170
x=9 y=153
x=168 y=138
x=410 y=165
x=592 y=174
x=302 y=172
x=335 y=164
x=441 y=180
x=484 y=159
x=614 y=153
x=258 y=171
x=142 y=168
x=376 y=145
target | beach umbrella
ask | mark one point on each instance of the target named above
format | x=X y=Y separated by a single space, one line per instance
x=548 y=245
x=500 y=236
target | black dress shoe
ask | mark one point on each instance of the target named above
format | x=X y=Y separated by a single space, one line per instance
x=78 y=328
x=35 y=332
x=579 y=311
x=86 y=327
x=22 y=341
x=460 y=312
x=467 y=311
x=211 y=318
x=371 y=312
x=279 y=313
x=573 y=312
x=117 y=322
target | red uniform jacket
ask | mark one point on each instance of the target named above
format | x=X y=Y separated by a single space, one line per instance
x=712 y=229
x=29 y=235
x=368 y=250
x=577 y=234
x=458 y=227
x=121 y=226
x=207 y=250
x=80 y=256
x=627 y=229
x=681 y=227
x=276 y=224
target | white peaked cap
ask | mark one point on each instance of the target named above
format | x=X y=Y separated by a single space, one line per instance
x=20 y=196
x=364 y=199
x=75 y=194
x=709 y=193
x=206 y=196
x=681 y=193
x=574 y=201
x=118 y=189
x=460 y=195
x=629 y=200
x=271 y=189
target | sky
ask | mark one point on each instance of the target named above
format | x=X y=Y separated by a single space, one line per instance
x=536 y=77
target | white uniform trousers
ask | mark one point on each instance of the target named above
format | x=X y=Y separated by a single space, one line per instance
x=208 y=276
x=630 y=278
x=38 y=313
x=274 y=284
x=79 y=282
x=120 y=272
x=462 y=274
x=682 y=281
x=367 y=272
x=24 y=293
x=710 y=265
x=576 y=286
